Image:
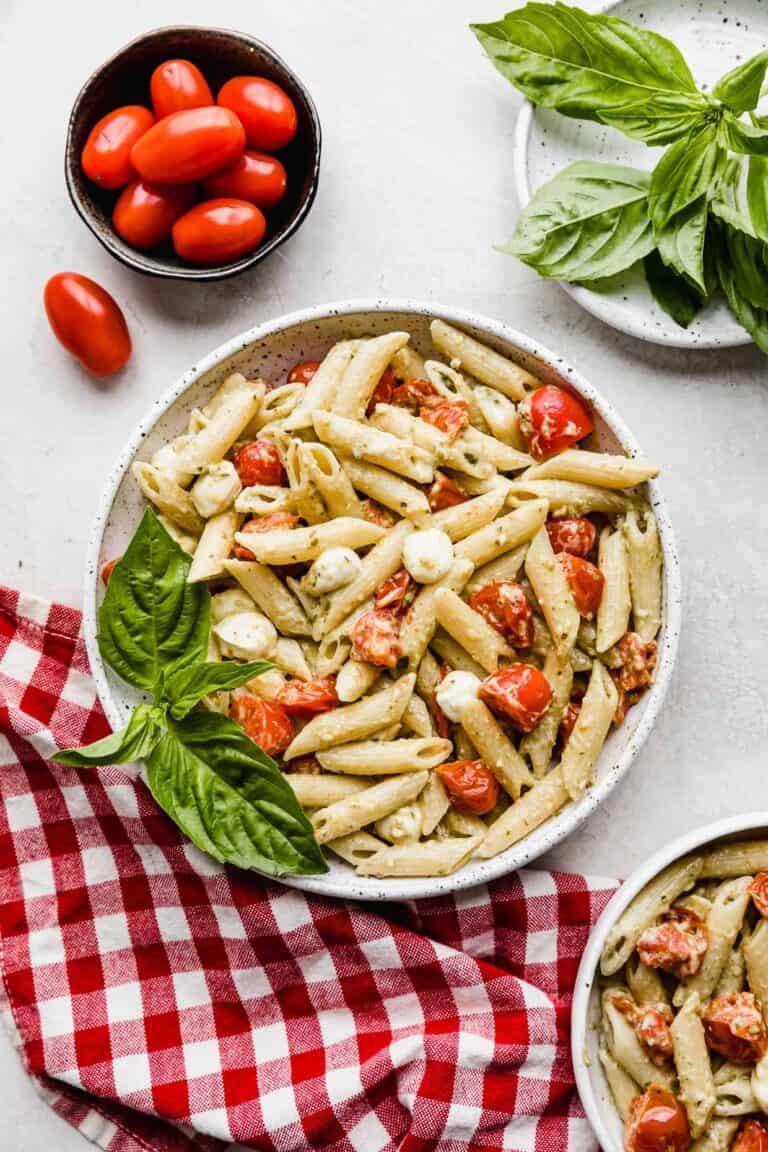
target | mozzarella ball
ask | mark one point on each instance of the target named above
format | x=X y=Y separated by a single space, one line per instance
x=245 y=635
x=228 y=603
x=332 y=570
x=216 y=490
x=428 y=555
x=454 y=691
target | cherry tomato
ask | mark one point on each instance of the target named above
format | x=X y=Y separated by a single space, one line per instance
x=656 y=1123
x=144 y=213
x=303 y=372
x=376 y=513
x=106 y=157
x=751 y=1137
x=505 y=606
x=585 y=581
x=383 y=392
x=572 y=534
x=258 y=462
x=88 y=322
x=449 y=416
x=188 y=145
x=471 y=786
x=638 y=660
x=396 y=592
x=305 y=698
x=264 y=524
x=734 y=1027
x=108 y=569
x=218 y=231
x=177 y=85
x=568 y=722
x=444 y=493
x=376 y=638
x=267 y=113
x=254 y=176
x=677 y=943
x=414 y=393
x=758 y=890
x=552 y=419
x=651 y=1026
x=265 y=721
x=519 y=692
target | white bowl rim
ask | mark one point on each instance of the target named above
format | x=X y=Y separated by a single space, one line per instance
x=592 y=302
x=585 y=978
x=557 y=828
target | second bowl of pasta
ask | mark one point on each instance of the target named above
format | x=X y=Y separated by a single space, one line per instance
x=457 y=559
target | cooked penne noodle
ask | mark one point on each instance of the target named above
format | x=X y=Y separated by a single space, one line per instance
x=166 y=495
x=718 y=1137
x=386 y=757
x=368 y=443
x=166 y=458
x=356 y=847
x=657 y=897
x=694 y=1072
x=615 y=604
x=407 y=364
x=599 y=468
x=362 y=808
x=390 y=490
x=364 y=372
x=756 y=961
x=321 y=390
x=495 y=748
x=507 y=459
x=214 y=546
x=416 y=718
x=187 y=541
x=380 y=563
x=645 y=984
x=537 y=745
x=589 y=732
x=623 y=1087
x=462 y=458
x=271 y=595
x=353 y=721
x=471 y=630
x=331 y=481
x=483 y=363
x=433 y=802
x=504 y=567
x=428 y=858
x=724 y=921
x=292 y=545
x=276 y=406
x=464 y=519
x=567 y=498
x=626 y=1048
x=510 y=531
x=261 y=499
x=731 y=860
x=500 y=414
x=237 y=408
x=644 y=560
x=543 y=800
x=419 y=625
x=354 y=679
x=550 y=585
x=324 y=790
x=454 y=655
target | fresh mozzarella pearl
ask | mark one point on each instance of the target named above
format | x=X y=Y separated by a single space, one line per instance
x=428 y=555
x=332 y=570
x=216 y=489
x=401 y=826
x=453 y=692
x=245 y=635
x=228 y=603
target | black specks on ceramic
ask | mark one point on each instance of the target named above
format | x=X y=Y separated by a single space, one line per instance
x=219 y=54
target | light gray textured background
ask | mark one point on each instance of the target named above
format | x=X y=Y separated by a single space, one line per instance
x=415 y=189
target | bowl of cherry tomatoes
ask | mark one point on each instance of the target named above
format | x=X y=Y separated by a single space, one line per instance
x=193 y=153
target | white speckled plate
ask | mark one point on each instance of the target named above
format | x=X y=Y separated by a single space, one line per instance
x=269 y=351
x=714 y=36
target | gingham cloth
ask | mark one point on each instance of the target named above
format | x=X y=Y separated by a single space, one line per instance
x=162 y=1002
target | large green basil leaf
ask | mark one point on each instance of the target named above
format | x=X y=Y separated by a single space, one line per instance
x=671 y=292
x=230 y=798
x=757 y=195
x=755 y=320
x=589 y=222
x=141 y=735
x=740 y=88
x=681 y=244
x=595 y=67
x=748 y=139
x=184 y=687
x=685 y=172
x=747 y=254
x=151 y=617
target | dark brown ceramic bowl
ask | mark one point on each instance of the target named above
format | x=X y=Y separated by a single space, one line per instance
x=219 y=54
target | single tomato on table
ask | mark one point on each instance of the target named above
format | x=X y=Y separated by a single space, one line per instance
x=106 y=157
x=88 y=322
x=267 y=113
x=471 y=786
x=254 y=176
x=144 y=213
x=217 y=231
x=188 y=145
x=552 y=419
x=177 y=85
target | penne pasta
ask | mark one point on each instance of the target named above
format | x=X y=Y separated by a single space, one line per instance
x=544 y=799
x=483 y=363
x=495 y=748
x=385 y=757
x=168 y=497
x=363 y=373
x=471 y=630
x=362 y=441
x=214 y=545
x=353 y=721
x=271 y=595
x=365 y=807
x=553 y=594
x=331 y=481
x=644 y=562
x=292 y=545
x=694 y=1072
x=589 y=732
x=599 y=468
x=510 y=531
x=388 y=489
x=428 y=858
x=615 y=604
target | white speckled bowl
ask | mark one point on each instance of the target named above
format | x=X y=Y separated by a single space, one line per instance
x=713 y=35
x=590 y=1081
x=270 y=350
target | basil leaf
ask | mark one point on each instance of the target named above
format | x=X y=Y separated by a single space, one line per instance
x=748 y=139
x=591 y=66
x=755 y=320
x=141 y=735
x=151 y=617
x=746 y=253
x=230 y=798
x=685 y=172
x=184 y=687
x=757 y=195
x=681 y=245
x=589 y=222
x=740 y=88
x=671 y=292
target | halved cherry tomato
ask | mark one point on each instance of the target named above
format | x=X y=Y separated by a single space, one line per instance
x=265 y=721
x=656 y=1123
x=376 y=638
x=267 y=113
x=471 y=786
x=106 y=157
x=505 y=606
x=448 y=416
x=259 y=462
x=108 y=569
x=177 y=85
x=574 y=534
x=305 y=698
x=734 y=1027
x=651 y=1026
x=144 y=213
x=638 y=660
x=751 y=1137
x=677 y=943
x=552 y=419
x=758 y=890
x=376 y=513
x=254 y=176
x=303 y=372
x=394 y=592
x=188 y=145
x=585 y=581
x=444 y=493
x=264 y=524
x=382 y=393
x=413 y=393
x=218 y=231
x=88 y=322
x=519 y=692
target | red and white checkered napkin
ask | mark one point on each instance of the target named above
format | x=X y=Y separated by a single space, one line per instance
x=163 y=1002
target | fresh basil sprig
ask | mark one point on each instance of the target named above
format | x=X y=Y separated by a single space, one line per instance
x=595 y=220
x=224 y=792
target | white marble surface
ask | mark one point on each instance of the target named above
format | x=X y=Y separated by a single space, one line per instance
x=415 y=190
